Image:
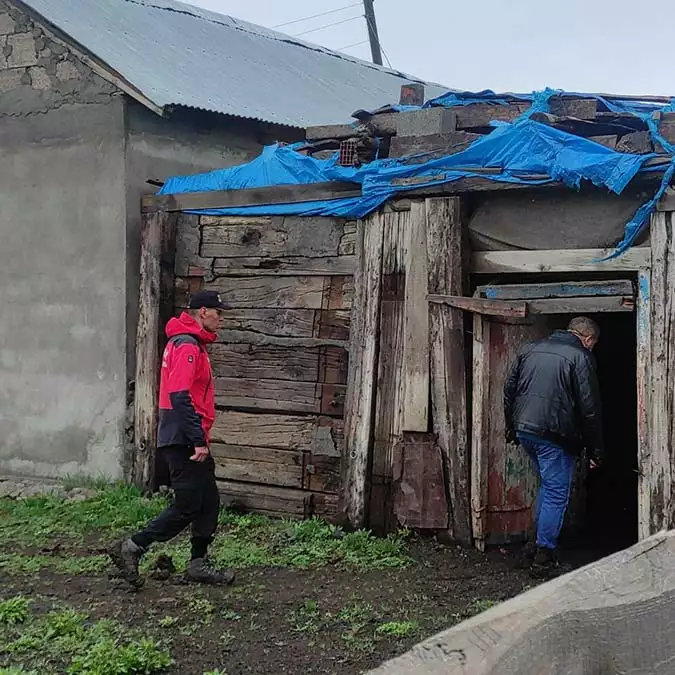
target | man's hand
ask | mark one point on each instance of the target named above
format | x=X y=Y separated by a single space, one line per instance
x=201 y=454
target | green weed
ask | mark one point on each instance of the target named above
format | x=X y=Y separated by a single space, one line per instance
x=168 y=621
x=397 y=629
x=306 y=618
x=14 y=610
x=17 y=563
x=479 y=606
x=109 y=657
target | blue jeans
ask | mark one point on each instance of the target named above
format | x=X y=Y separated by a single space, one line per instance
x=555 y=469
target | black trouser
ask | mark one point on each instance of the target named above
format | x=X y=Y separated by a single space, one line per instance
x=196 y=502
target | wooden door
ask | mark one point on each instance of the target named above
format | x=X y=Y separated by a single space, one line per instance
x=503 y=482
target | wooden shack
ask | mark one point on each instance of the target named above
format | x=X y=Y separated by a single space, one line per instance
x=359 y=375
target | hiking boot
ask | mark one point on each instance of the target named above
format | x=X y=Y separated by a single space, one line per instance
x=546 y=565
x=126 y=555
x=528 y=553
x=199 y=571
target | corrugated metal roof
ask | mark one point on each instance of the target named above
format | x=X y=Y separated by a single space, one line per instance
x=177 y=54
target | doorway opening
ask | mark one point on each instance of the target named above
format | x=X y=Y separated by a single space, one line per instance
x=610 y=510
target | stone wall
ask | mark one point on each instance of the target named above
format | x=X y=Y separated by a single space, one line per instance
x=62 y=258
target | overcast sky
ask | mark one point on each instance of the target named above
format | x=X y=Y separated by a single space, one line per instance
x=608 y=46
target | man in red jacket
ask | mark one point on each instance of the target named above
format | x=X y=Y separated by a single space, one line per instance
x=186 y=415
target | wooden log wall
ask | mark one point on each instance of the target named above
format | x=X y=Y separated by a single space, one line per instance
x=280 y=362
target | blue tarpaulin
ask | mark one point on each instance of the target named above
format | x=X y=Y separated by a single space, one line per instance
x=524 y=151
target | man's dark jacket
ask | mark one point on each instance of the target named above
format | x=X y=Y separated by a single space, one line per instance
x=552 y=392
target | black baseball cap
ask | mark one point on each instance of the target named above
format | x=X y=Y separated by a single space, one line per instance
x=208 y=299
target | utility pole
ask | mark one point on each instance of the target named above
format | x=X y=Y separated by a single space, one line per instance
x=372 y=32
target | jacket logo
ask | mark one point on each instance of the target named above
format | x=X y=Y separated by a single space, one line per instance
x=190 y=358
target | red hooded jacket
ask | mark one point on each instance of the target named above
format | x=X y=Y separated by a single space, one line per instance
x=186 y=392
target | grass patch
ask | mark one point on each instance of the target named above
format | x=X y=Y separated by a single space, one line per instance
x=14 y=610
x=20 y=564
x=65 y=641
x=37 y=520
x=479 y=606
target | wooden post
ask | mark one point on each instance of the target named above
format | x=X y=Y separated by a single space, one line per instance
x=157 y=243
x=363 y=357
x=416 y=337
x=445 y=256
x=644 y=399
x=657 y=465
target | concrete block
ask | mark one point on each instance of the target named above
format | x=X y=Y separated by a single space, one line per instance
x=23 y=50
x=7 y=24
x=426 y=122
x=39 y=79
x=10 y=79
x=67 y=71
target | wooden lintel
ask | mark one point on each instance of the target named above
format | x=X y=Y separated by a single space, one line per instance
x=509 y=308
x=260 y=196
x=564 y=260
x=560 y=289
x=582 y=305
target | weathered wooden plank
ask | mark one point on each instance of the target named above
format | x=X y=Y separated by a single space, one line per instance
x=275 y=363
x=609 y=141
x=285 y=432
x=638 y=142
x=333 y=324
x=537 y=291
x=271 y=292
x=348 y=240
x=508 y=308
x=360 y=398
x=292 y=266
x=657 y=467
x=322 y=473
x=416 y=324
x=275 y=237
x=188 y=239
x=419 y=494
x=332 y=365
x=619 y=610
x=340 y=292
x=480 y=429
x=281 y=322
x=278 y=502
x=246 y=337
x=390 y=376
x=259 y=196
x=481 y=114
x=583 y=305
x=445 y=257
x=283 y=395
x=157 y=243
x=264 y=394
x=644 y=400
x=258 y=465
x=579 y=108
x=437 y=120
x=431 y=146
x=569 y=260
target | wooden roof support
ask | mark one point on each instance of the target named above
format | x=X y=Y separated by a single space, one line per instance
x=260 y=196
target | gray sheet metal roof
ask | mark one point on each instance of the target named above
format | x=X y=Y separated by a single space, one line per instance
x=177 y=54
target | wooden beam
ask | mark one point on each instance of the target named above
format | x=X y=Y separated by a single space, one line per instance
x=284 y=266
x=644 y=399
x=157 y=240
x=431 y=146
x=360 y=397
x=566 y=260
x=260 y=196
x=336 y=132
x=582 y=305
x=416 y=319
x=480 y=429
x=618 y=609
x=564 y=289
x=507 y=308
x=657 y=466
x=445 y=256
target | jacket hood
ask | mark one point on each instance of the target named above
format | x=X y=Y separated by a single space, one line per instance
x=186 y=324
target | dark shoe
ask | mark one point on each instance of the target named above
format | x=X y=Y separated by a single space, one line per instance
x=546 y=565
x=527 y=555
x=199 y=571
x=126 y=556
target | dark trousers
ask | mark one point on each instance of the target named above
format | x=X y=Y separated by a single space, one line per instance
x=196 y=502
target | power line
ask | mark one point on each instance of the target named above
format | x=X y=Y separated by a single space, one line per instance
x=315 y=16
x=355 y=44
x=328 y=25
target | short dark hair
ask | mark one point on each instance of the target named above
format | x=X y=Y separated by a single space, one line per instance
x=584 y=326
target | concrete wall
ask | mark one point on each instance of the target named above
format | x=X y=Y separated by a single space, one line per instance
x=62 y=259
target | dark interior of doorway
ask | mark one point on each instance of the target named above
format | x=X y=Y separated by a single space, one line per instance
x=610 y=520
